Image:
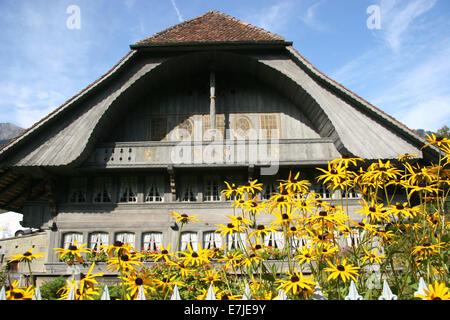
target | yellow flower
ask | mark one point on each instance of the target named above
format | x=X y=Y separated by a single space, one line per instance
x=232 y=191
x=163 y=254
x=406 y=156
x=72 y=251
x=284 y=218
x=27 y=256
x=335 y=176
x=251 y=259
x=134 y=280
x=126 y=261
x=19 y=293
x=306 y=254
x=252 y=187
x=211 y=276
x=375 y=211
x=227 y=229
x=435 y=140
x=438 y=291
x=231 y=260
x=427 y=249
x=195 y=258
x=372 y=256
x=344 y=270
x=88 y=280
x=262 y=230
x=184 y=218
x=254 y=206
x=297 y=283
x=294 y=184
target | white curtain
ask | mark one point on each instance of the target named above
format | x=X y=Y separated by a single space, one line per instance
x=70 y=238
x=126 y=238
x=128 y=189
x=77 y=189
x=98 y=239
x=189 y=237
x=212 y=240
x=154 y=189
x=103 y=189
x=152 y=241
x=237 y=240
x=274 y=239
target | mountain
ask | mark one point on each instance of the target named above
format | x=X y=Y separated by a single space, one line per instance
x=8 y=131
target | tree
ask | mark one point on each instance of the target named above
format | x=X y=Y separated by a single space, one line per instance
x=443 y=132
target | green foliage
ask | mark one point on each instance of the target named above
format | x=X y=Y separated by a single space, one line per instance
x=49 y=288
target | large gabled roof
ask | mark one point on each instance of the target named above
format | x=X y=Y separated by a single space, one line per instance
x=211 y=27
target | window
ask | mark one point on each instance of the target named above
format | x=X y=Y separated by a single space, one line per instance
x=103 y=189
x=154 y=189
x=212 y=190
x=152 y=241
x=236 y=240
x=125 y=238
x=185 y=130
x=77 y=190
x=97 y=239
x=158 y=128
x=189 y=238
x=323 y=191
x=274 y=240
x=188 y=189
x=212 y=240
x=268 y=126
x=70 y=238
x=128 y=189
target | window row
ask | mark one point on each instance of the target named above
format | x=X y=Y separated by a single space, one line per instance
x=188 y=190
x=153 y=241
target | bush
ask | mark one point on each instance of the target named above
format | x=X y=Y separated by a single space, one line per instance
x=49 y=288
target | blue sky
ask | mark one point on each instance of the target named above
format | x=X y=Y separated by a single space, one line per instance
x=403 y=68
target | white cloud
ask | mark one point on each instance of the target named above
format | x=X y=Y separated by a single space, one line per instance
x=274 y=19
x=310 y=17
x=397 y=18
x=180 y=17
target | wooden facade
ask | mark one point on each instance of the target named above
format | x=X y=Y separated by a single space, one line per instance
x=182 y=112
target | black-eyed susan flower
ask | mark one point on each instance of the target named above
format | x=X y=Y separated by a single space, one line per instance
x=228 y=228
x=407 y=156
x=252 y=187
x=297 y=283
x=232 y=259
x=375 y=211
x=335 y=176
x=133 y=280
x=125 y=262
x=27 y=256
x=427 y=249
x=88 y=280
x=251 y=259
x=167 y=282
x=163 y=253
x=438 y=291
x=262 y=230
x=253 y=206
x=73 y=251
x=211 y=276
x=343 y=270
x=372 y=256
x=435 y=140
x=184 y=218
x=181 y=267
x=284 y=218
x=240 y=220
x=232 y=191
x=305 y=254
x=195 y=258
x=19 y=293
x=295 y=184
x=117 y=248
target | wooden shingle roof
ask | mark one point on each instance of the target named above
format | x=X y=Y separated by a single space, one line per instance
x=211 y=27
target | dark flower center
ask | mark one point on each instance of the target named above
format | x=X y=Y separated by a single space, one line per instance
x=230 y=225
x=294 y=279
x=323 y=213
x=27 y=254
x=260 y=227
x=224 y=296
x=340 y=267
x=194 y=255
x=361 y=224
x=293 y=229
x=185 y=216
x=281 y=199
x=333 y=171
x=124 y=257
x=239 y=218
x=437 y=298
x=72 y=247
x=372 y=209
x=164 y=252
x=18 y=295
x=138 y=281
x=322 y=236
x=258 y=246
x=118 y=243
x=399 y=206
x=285 y=216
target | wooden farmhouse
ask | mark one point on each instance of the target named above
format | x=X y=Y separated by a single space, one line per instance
x=209 y=100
